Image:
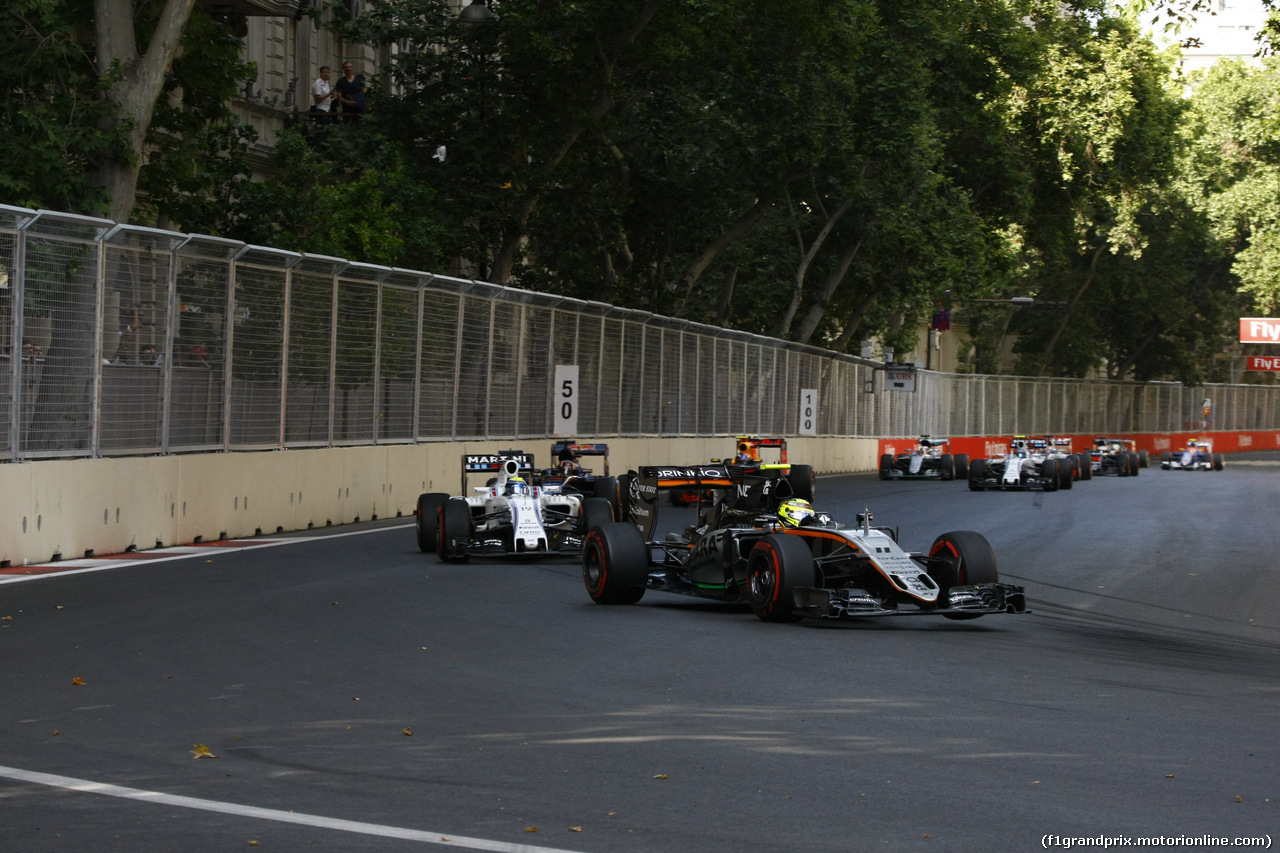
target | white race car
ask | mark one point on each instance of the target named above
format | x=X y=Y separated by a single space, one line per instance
x=1029 y=464
x=508 y=515
x=1198 y=455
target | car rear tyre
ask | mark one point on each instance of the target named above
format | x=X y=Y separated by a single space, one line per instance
x=1143 y=458
x=777 y=565
x=948 y=464
x=1066 y=478
x=886 y=466
x=607 y=488
x=428 y=521
x=455 y=529
x=962 y=465
x=615 y=564
x=596 y=512
x=1134 y=464
x=803 y=483
x=1219 y=462
x=1086 y=466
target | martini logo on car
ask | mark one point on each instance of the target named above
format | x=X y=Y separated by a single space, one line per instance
x=483 y=461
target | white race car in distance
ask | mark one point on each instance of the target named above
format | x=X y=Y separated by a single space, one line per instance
x=508 y=515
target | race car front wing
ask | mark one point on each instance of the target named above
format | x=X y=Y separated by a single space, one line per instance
x=974 y=600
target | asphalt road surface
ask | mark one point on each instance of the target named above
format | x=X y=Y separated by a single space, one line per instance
x=359 y=695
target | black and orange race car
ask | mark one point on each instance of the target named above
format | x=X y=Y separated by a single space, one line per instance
x=757 y=543
x=747 y=454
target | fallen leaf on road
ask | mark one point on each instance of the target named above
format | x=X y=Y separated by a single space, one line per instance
x=78 y=681
x=407 y=731
x=202 y=751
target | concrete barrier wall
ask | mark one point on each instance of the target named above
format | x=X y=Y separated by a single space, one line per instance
x=62 y=509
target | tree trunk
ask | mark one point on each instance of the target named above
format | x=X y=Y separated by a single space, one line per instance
x=855 y=319
x=806 y=259
x=1125 y=366
x=726 y=296
x=819 y=308
x=735 y=232
x=1066 y=315
x=140 y=85
x=860 y=310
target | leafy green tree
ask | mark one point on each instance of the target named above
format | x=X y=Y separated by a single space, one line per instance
x=376 y=214
x=1101 y=135
x=197 y=148
x=1231 y=171
x=57 y=106
x=89 y=110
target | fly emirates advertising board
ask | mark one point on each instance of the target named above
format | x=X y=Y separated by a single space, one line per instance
x=1260 y=330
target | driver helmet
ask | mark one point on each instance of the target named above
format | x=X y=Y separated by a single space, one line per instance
x=744 y=451
x=517 y=486
x=794 y=511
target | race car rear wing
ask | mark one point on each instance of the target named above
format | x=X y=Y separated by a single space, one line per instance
x=593 y=449
x=745 y=487
x=491 y=463
x=758 y=441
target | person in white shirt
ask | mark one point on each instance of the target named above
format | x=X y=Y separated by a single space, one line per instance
x=322 y=96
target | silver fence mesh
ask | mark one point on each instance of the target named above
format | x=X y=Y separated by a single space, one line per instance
x=119 y=340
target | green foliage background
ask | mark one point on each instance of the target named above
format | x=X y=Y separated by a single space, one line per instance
x=822 y=170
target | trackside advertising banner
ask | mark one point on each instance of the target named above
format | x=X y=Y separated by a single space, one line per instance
x=1155 y=443
x=1263 y=362
x=1259 y=330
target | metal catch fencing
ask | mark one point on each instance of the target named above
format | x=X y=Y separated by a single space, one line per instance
x=117 y=339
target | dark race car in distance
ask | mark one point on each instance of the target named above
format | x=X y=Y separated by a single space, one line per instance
x=747 y=453
x=570 y=476
x=1118 y=456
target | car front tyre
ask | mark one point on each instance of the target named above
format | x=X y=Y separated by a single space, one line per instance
x=428 y=521
x=777 y=565
x=455 y=530
x=976 y=470
x=615 y=563
x=962 y=558
x=886 y=466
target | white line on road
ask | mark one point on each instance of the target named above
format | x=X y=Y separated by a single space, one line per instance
x=163 y=555
x=442 y=838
